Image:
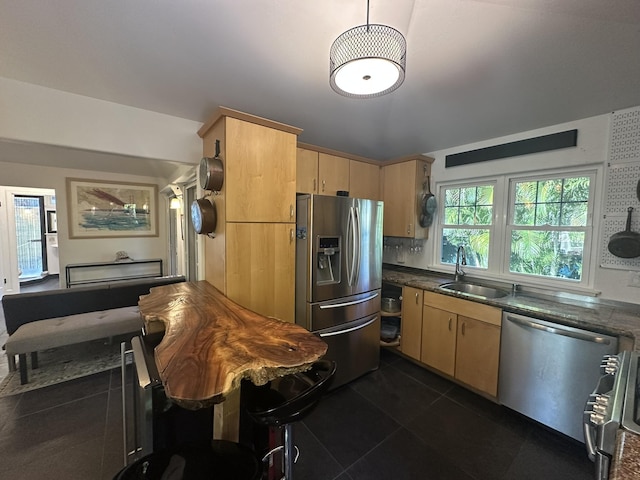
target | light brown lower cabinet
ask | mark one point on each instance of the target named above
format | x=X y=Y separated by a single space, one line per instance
x=477 y=354
x=260 y=267
x=461 y=338
x=439 y=339
x=411 y=323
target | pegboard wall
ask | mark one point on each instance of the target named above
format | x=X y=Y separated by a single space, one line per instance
x=623 y=175
x=624 y=141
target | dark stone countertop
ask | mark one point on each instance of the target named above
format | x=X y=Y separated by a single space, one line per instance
x=626 y=460
x=607 y=317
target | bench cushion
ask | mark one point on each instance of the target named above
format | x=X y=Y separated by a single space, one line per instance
x=83 y=327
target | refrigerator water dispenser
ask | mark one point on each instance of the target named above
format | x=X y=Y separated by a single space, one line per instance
x=328 y=267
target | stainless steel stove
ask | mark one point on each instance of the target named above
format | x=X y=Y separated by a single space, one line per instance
x=612 y=405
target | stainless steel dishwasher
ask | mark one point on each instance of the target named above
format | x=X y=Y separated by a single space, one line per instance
x=547 y=370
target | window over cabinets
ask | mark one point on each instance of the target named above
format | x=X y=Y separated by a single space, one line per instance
x=549 y=226
x=468 y=221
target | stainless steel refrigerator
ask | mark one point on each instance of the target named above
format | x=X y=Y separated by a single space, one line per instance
x=339 y=278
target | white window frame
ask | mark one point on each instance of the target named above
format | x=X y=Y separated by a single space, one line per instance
x=587 y=229
x=442 y=226
x=500 y=243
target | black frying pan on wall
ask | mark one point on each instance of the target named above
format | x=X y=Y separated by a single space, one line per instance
x=428 y=205
x=626 y=244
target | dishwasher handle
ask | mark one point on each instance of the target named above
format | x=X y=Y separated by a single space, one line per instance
x=558 y=330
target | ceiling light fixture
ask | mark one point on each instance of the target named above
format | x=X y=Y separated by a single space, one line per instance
x=367 y=61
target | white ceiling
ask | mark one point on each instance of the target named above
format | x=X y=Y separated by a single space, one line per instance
x=476 y=69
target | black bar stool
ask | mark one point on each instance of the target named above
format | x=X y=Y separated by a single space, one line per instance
x=285 y=400
x=217 y=459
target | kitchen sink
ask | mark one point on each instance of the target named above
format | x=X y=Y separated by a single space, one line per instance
x=474 y=289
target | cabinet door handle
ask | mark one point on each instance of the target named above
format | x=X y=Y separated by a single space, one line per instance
x=292 y=235
x=291 y=212
x=323 y=184
x=409 y=229
x=449 y=323
x=417 y=298
x=315 y=188
x=463 y=325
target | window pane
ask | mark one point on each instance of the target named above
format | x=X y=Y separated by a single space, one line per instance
x=452 y=197
x=548 y=214
x=548 y=253
x=451 y=216
x=484 y=215
x=576 y=189
x=475 y=243
x=485 y=195
x=468 y=196
x=526 y=192
x=524 y=214
x=467 y=216
x=574 y=214
x=550 y=191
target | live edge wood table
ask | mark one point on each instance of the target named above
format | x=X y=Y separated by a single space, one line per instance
x=211 y=343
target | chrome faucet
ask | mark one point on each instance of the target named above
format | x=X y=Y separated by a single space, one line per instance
x=461 y=259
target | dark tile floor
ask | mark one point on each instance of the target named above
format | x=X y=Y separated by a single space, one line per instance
x=400 y=422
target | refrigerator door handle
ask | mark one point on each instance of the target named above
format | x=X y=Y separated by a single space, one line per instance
x=348 y=249
x=357 y=244
x=347 y=330
x=346 y=304
x=351 y=250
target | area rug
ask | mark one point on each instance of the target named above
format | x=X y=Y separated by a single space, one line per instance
x=61 y=364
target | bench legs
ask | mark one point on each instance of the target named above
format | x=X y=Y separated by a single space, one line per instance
x=22 y=359
x=11 y=359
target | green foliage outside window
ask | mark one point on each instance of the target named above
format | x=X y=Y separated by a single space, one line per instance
x=549 y=250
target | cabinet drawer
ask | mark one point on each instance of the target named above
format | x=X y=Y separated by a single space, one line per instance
x=479 y=311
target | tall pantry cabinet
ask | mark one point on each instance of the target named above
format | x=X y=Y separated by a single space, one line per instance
x=251 y=258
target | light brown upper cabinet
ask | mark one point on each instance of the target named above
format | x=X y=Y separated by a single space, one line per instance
x=260 y=175
x=251 y=257
x=402 y=187
x=327 y=173
x=307 y=171
x=364 y=180
x=333 y=174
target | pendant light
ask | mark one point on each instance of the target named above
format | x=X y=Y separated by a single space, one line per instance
x=367 y=61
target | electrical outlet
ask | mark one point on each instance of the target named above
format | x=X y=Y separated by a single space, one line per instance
x=634 y=279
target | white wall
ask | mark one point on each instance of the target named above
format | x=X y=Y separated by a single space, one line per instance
x=592 y=150
x=85 y=250
x=35 y=114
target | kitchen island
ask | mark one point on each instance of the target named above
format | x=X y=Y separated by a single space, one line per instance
x=211 y=343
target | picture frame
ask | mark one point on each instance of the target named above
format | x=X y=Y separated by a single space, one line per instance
x=106 y=209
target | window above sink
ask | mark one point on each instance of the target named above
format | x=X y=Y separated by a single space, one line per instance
x=533 y=228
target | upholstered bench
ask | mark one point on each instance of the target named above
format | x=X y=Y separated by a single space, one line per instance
x=54 y=318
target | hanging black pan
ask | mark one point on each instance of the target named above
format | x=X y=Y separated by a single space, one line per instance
x=625 y=244
x=428 y=205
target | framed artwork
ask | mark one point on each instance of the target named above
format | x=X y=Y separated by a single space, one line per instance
x=103 y=209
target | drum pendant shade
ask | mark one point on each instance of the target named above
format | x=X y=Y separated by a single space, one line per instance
x=367 y=61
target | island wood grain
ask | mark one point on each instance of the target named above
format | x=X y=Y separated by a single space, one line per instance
x=211 y=343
